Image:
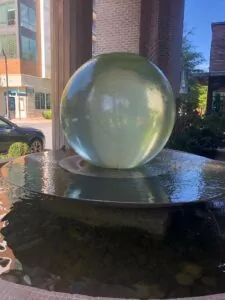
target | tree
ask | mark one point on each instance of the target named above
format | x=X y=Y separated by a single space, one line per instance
x=191 y=60
x=202 y=98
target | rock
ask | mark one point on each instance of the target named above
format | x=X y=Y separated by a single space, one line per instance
x=4 y=262
x=193 y=270
x=180 y=292
x=115 y=291
x=200 y=290
x=17 y=273
x=10 y=278
x=78 y=268
x=108 y=259
x=27 y=280
x=148 y=291
x=18 y=266
x=209 y=281
x=3 y=246
x=36 y=272
x=50 y=284
x=184 y=279
x=78 y=287
x=142 y=259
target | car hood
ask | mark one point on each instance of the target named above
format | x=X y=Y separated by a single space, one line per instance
x=29 y=129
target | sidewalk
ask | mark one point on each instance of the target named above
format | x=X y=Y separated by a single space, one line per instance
x=31 y=121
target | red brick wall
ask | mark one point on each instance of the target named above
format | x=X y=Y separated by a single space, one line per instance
x=217 y=56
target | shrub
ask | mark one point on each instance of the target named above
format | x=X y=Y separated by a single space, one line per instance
x=18 y=149
x=47 y=114
x=197 y=135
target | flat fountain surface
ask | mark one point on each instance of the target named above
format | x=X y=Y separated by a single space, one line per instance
x=42 y=247
x=171 y=178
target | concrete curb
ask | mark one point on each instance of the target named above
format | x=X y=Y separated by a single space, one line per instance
x=12 y=291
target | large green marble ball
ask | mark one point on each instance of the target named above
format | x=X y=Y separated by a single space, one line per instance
x=117 y=110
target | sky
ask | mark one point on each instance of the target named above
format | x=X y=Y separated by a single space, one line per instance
x=199 y=14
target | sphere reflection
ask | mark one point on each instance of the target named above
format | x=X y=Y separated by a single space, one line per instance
x=117 y=110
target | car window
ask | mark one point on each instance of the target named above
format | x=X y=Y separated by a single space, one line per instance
x=4 y=125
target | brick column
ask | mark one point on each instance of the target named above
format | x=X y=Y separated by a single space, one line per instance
x=161 y=36
x=152 y=28
x=71 y=30
x=217 y=53
x=117 y=26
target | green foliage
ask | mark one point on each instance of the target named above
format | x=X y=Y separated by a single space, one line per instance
x=202 y=98
x=198 y=135
x=18 y=149
x=191 y=58
x=196 y=97
x=193 y=132
x=47 y=114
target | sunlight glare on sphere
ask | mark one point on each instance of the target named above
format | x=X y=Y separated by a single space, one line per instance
x=117 y=110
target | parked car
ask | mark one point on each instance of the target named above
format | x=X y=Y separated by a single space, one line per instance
x=11 y=133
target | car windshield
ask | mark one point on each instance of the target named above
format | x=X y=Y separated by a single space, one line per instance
x=4 y=125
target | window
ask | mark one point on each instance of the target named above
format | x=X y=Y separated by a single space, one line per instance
x=42 y=101
x=8 y=43
x=27 y=17
x=7 y=14
x=11 y=17
x=218 y=101
x=28 y=48
x=48 y=101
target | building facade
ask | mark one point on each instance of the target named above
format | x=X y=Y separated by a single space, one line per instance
x=216 y=79
x=25 y=43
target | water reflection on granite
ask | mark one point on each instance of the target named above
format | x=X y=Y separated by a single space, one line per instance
x=172 y=177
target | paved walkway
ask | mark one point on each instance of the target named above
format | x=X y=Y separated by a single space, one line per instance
x=32 y=121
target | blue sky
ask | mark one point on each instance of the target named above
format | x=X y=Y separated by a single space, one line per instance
x=199 y=14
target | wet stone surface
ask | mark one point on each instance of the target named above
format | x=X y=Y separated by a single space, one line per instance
x=170 y=179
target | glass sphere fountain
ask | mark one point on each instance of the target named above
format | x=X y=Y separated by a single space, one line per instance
x=118 y=111
x=119 y=216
